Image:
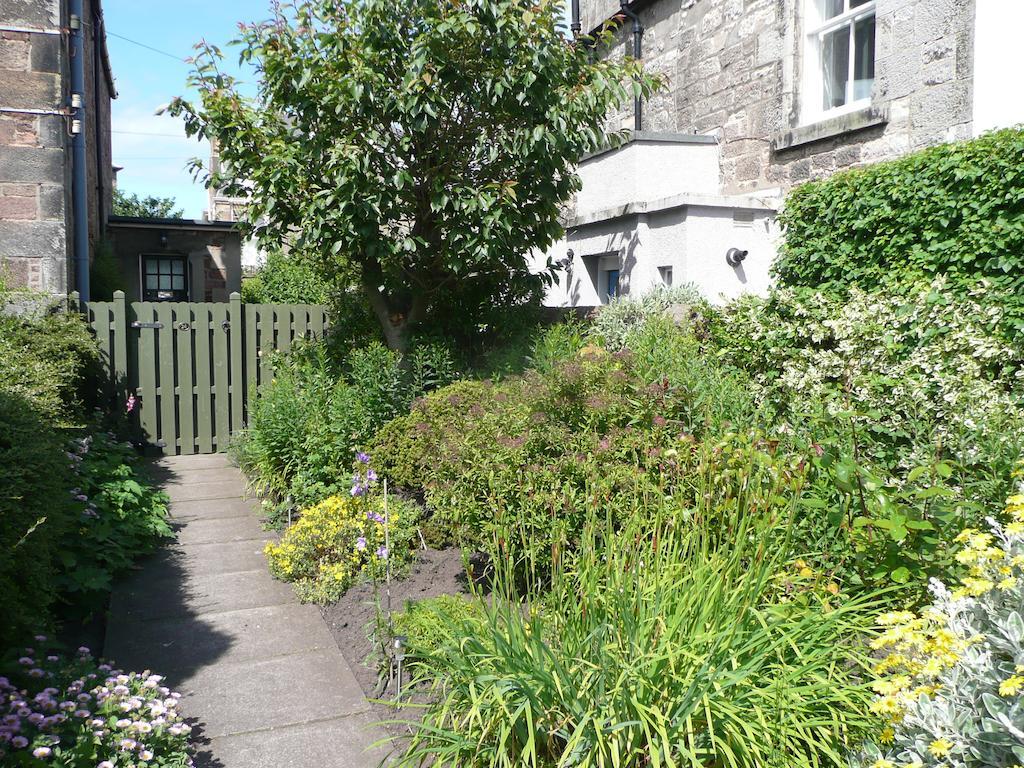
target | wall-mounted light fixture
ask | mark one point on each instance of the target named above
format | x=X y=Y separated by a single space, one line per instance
x=734 y=257
x=163 y=239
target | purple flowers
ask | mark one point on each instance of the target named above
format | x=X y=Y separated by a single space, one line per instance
x=382 y=553
x=363 y=458
x=361 y=543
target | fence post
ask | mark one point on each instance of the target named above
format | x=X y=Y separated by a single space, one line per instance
x=120 y=351
x=237 y=351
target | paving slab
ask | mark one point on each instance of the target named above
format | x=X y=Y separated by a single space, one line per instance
x=287 y=690
x=215 y=508
x=146 y=598
x=180 y=643
x=213 y=489
x=196 y=462
x=297 y=746
x=260 y=674
x=199 y=530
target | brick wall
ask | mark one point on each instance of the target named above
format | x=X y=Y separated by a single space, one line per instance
x=34 y=171
x=734 y=69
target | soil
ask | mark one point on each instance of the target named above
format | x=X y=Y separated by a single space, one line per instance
x=353 y=619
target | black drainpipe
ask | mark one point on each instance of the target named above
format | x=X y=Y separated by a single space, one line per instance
x=79 y=190
x=638 y=33
x=575 y=26
x=97 y=73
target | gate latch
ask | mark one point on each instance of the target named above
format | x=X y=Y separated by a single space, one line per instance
x=137 y=324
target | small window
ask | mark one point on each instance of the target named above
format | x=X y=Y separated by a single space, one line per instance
x=164 y=278
x=612 y=284
x=840 y=60
x=666 y=276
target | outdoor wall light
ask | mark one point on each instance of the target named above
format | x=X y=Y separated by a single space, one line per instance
x=734 y=257
x=163 y=239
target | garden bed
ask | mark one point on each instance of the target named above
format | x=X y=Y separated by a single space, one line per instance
x=352 y=619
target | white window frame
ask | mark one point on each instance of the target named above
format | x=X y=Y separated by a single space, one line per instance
x=812 y=87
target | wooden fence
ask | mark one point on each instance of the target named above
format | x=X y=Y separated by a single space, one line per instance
x=194 y=368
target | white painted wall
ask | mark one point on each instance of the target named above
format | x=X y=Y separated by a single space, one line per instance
x=647 y=170
x=998 y=96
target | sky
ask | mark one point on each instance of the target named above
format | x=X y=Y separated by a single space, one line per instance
x=153 y=150
x=149 y=42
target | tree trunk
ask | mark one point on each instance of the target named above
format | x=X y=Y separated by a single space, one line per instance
x=396 y=324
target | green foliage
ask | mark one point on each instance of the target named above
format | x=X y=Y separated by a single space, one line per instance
x=432 y=626
x=50 y=358
x=74 y=514
x=349 y=145
x=105 y=273
x=286 y=278
x=148 y=207
x=35 y=514
x=953 y=210
x=614 y=322
x=523 y=460
x=305 y=427
x=654 y=646
x=909 y=405
x=119 y=516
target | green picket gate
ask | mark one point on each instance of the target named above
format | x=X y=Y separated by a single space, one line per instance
x=194 y=368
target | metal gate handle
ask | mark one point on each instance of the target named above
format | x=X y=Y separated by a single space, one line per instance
x=137 y=324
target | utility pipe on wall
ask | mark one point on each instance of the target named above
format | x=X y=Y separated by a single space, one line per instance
x=638 y=33
x=79 y=183
x=575 y=24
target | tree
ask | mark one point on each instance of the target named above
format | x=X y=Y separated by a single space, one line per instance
x=405 y=146
x=145 y=207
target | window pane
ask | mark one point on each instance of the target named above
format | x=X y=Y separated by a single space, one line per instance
x=178 y=282
x=666 y=275
x=177 y=267
x=858 y=3
x=165 y=266
x=830 y=8
x=151 y=283
x=835 y=67
x=864 y=58
x=165 y=282
x=151 y=266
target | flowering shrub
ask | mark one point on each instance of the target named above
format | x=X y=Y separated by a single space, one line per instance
x=343 y=538
x=950 y=684
x=76 y=713
x=910 y=405
x=614 y=322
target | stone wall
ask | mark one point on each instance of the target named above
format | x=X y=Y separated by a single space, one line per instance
x=35 y=150
x=34 y=169
x=734 y=68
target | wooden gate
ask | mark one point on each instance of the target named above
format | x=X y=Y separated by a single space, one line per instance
x=194 y=368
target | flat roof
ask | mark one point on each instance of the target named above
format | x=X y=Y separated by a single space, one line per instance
x=143 y=222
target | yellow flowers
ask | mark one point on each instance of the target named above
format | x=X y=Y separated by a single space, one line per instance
x=883 y=763
x=940 y=747
x=1011 y=686
x=336 y=541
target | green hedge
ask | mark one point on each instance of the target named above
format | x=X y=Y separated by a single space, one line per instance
x=955 y=209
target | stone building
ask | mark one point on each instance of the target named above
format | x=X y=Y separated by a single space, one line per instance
x=38 y=120
x=763 y=95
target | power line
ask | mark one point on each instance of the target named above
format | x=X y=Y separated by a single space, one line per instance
x=150 y=133
x=179 y=59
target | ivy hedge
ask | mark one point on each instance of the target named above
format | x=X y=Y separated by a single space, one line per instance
x=955 y=210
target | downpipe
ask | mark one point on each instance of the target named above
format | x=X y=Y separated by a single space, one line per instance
x=638 y=33
x=79 y=174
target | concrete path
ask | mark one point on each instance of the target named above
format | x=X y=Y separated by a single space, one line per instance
x=260 y=673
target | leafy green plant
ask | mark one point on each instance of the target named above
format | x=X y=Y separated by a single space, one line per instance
x=433 y=625
x=952 y=210
x=655 y=645
x=348 y=145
